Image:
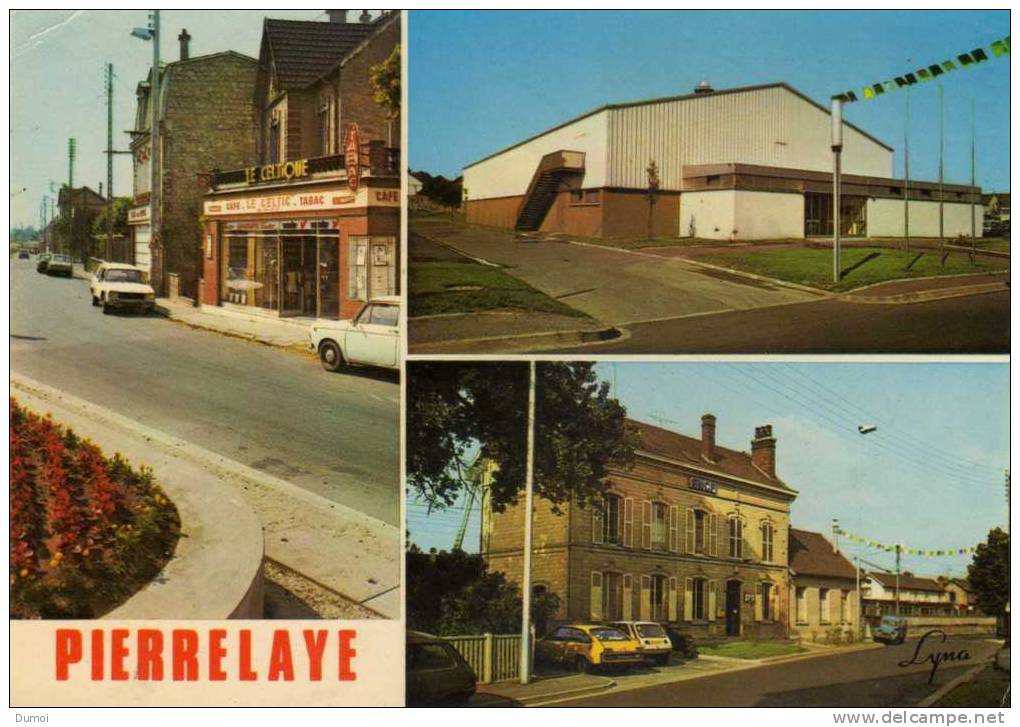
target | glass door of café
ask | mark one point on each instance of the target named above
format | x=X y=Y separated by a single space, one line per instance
x=298 y=280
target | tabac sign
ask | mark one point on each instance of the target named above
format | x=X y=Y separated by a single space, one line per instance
x=274 y=172
x=138 y=215
x=319 y=200
x=352 y=157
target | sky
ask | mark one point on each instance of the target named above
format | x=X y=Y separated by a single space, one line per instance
x=930 y=476
x=58 y=67
x=497 y=78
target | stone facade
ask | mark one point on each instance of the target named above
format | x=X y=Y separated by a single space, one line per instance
x=693 y=541
x=208 y=122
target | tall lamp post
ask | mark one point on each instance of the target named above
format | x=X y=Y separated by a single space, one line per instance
x=863 y=430
x=525 y=662
x=151 y=32
x=837 y=150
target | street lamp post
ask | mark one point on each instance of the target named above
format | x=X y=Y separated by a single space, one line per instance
x=863 y=430
x=837 y=150
x=151 y=33
x=525 y=662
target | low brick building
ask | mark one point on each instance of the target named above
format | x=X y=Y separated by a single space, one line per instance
x=311 y=226
x=692 y=534
x=207 y=121
x=824 y=590
x=77 y=208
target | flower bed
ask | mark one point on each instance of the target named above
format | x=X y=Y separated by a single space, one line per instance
x=86 y=531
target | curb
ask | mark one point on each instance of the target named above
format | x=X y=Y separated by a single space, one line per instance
x=216 y=568
x=927 y=296
x=967 y=676
x=571 y=693
x=169 y=314
x=525 y=341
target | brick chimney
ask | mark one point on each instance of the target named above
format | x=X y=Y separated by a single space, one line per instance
x=763 y=450
x=337 y=16
x=184 y=39
x=708 y=437
x=365 y=17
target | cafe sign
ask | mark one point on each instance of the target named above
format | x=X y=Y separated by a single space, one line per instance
x=311 y=201
x=138 y=215
x=275 y=172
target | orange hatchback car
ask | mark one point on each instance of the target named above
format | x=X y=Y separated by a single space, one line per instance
x=586 y=647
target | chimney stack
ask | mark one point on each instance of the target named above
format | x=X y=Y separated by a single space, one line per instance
x=184 y=39
x=337 y=16
x=365 y=17
x=708 y=437
x=763 y=450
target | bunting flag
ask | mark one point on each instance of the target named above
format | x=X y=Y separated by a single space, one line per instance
x=964 y=60
x=923 y=552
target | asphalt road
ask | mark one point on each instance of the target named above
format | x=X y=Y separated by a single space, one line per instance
x=976 y=324
x=272 y=409
x=871 y=678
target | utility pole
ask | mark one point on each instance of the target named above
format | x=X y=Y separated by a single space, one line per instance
x=906 y=178
x=525 y=662
x=973 y=176
x=942 y=152
x=897 y=580
x=71 y=152
x=1007 y=502
x=109 y=130
x=837 y=149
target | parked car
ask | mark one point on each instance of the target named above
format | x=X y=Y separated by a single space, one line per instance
x=118 y=286
x=436 y=673
x=655 y=644
x=682 y=642
x=43 y=262
x=23 y=255
x=372 y=338
x=60 y=265
x=890 y=630
x=586 y=647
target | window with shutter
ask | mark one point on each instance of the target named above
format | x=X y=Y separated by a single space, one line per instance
x=646 y=598
x=674 y=528
x=689 y=531
x=672 y=600
x=688 y=599
x=628 y=597
x=646 y=525
x=595 y=602
x=759 y=611
x=736 y=532
x=823 y=606
x=628 y=522
x=597 y=524
x=611 y=519
x=713 y=535
x=711 y=600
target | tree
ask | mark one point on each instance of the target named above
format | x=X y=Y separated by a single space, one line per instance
x=450 y=592
x=458 y=410
x=989 y=573
x=385 y=79
x=116 y=213
x=653 y=191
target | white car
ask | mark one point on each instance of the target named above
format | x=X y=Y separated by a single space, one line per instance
x=372 y=338
x=119 y=286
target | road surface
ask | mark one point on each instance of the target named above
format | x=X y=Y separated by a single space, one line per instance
x=871 y=678
x=271 y=409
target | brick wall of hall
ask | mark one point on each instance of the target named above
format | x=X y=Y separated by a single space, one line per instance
x=210 y=124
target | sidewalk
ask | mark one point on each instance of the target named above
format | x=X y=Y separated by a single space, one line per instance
x=283 y=332
x=543 y=688
x=920 y=290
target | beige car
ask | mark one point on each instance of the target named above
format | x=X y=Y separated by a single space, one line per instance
x=118 y=286
x=653 y=639
x=371 y=339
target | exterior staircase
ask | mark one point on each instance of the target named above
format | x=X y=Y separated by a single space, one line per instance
x=545 y=185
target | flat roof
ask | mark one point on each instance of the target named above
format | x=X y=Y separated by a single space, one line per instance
x=681 y=97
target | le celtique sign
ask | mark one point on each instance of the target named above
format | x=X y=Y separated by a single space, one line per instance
x=273 y=172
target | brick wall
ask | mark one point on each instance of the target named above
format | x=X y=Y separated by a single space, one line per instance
x=813 y=622
x=354 y=83
x=210 y=123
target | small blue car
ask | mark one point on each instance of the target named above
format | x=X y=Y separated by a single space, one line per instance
x=891 y=630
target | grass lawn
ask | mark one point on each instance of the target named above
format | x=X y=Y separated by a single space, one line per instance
x=751 y=649
x=469 y=287
x=987 y=690
x=861 y=265
x=997 y=245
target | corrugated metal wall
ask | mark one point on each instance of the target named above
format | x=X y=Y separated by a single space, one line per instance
x=771 y=126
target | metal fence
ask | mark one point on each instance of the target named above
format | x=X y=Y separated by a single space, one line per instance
x=494 y=657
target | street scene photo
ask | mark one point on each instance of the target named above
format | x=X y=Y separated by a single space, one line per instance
x=205 y=314
x=711 y=534
x=838 y=182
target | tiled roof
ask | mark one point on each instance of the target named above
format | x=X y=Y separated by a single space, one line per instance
x=810 y=554
x=302 y=50
x=908 y=582
x=727 y=462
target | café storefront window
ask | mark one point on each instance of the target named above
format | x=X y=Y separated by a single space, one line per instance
x=372 y=269
x=288 y=268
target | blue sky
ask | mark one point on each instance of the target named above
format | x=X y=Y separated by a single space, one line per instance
x=480 y=81
x=931 y=476
x=58 y=60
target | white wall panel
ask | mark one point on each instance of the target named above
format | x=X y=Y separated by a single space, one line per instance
x=885 y=218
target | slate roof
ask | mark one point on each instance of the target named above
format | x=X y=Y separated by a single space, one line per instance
x=810 y=554
x=728 y=462
x=303 y=50
x=908 y=582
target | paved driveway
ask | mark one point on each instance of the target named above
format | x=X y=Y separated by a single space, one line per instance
x=611 y=285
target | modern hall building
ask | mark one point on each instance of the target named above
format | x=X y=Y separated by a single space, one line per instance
x=746 y=163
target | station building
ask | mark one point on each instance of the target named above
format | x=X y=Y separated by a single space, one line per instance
x=692 y=533
x=753 y=162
